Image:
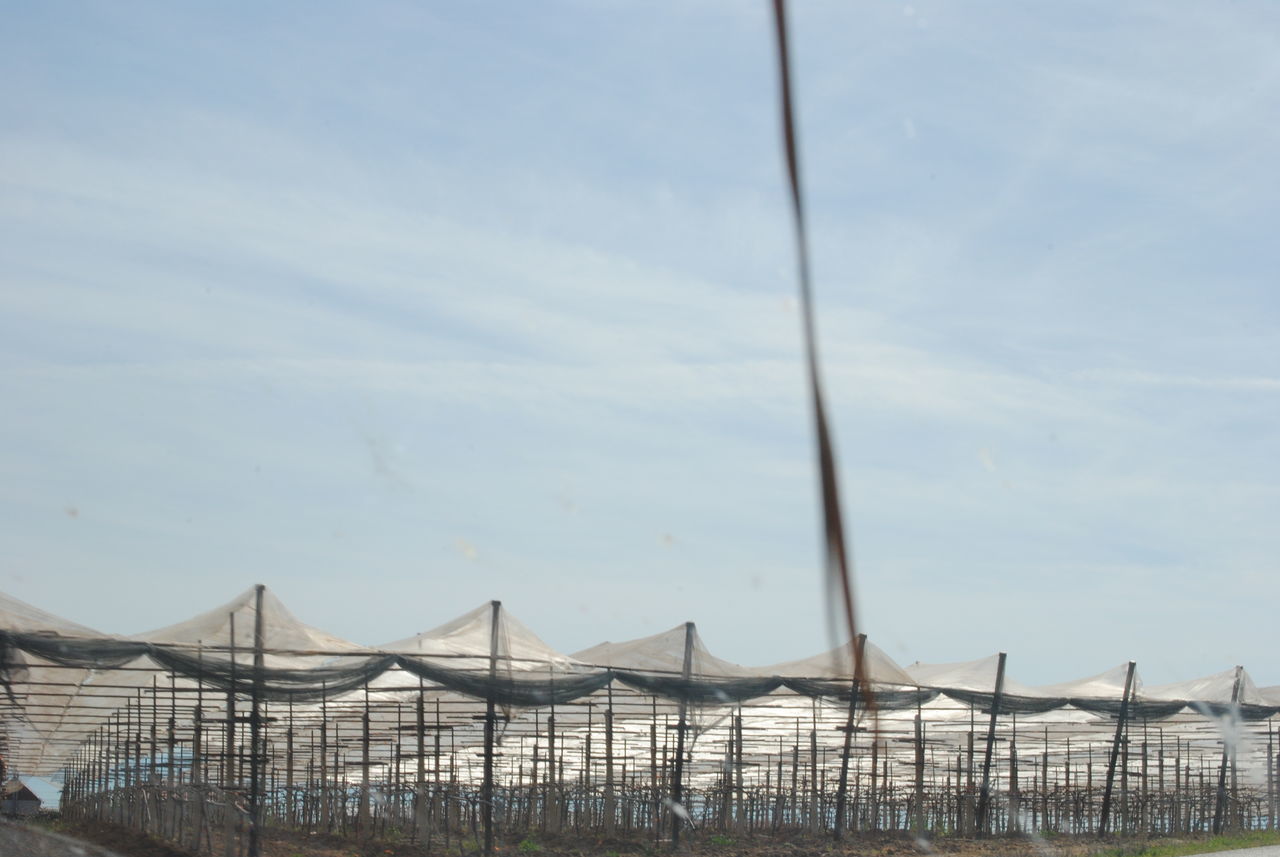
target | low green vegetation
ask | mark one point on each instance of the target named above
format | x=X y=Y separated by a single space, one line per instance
x=1181 y=847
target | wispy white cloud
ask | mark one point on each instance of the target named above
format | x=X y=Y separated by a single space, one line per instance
x=286 y=300
x=1193 y=382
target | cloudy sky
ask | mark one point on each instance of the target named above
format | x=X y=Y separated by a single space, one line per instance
x=400 y=307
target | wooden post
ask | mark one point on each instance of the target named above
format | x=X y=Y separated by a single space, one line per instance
x=229 y=729
x=1015 y=796
x=1144 y=813
x=419 y=799
x=584 y=774
x=397 y=781
x=338 y=796
x=918 y=815
x=610 y=808
x=874 y=797
x=1044 y=781
x=968 y=827
x=486 y=789
x=653 y=771
x=1160 y=772
x=1271 y=778
x=851 y=721
x=364 y=824
x=677 y=770
x=436 y=757
x=1124 y=782
x=171 y=774
x=324 y=759
x=813 y=821
x=551 y=802
x=741 y=820
x=1228 y=748
x=726 y=776
x=780 y=801
x=151 y=762
x=288 y=770
x=139 y=811
x=255 y=726
x=1115 y=749
x=984 y=793
x=197 y=726
x=197 y=752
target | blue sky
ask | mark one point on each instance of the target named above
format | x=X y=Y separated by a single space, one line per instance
x=399 y=308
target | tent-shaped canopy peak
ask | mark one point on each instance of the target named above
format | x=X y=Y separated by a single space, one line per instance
x=977 y=675
x=1108 y=684
x=20 y=616
x=282 y=631
x=663 y=653
x=838 y=664
x=470 y=637
x=1216 y=688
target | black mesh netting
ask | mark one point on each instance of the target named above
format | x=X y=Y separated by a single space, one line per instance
x=1139 y=709
x=1009 y=703
x=699 y=691
x=299 y=684
x=507 y=688
x=888 y=699
x=353 y=671
x=1243 y=711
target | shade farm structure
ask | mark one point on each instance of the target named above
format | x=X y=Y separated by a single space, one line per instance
x=243 y=720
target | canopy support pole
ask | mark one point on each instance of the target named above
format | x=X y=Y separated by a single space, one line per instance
x=255 y=727
x=486 y=789
x=1228 y=752
x=610 y=805
x=228 y=750
x=1115 y=749
x=984 y=795
x=677 y=770
x=842 y=790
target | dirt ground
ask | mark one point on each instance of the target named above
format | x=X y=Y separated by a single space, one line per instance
x=703 y=844
x=49 y=836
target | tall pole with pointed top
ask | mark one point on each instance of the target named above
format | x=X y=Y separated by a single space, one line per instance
x=229 y=761
x=420 y=789
x=486 y=788
x=610 y=804
x=677 y=770
x=1115 y=749
x=984 y=794
x=842 y=790
x=255 y=726
x=1228 y=751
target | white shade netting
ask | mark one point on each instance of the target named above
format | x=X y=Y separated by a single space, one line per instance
x=415 y=706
